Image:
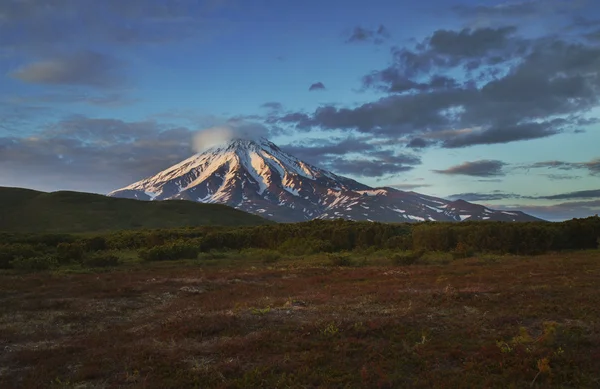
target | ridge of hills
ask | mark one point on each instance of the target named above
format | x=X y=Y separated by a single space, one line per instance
x=26 y=210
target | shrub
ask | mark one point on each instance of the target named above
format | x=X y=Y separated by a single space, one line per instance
x=264 y=255
x=97 y=243
x=39 y=263
x=169 y=252
x=304 y=246
x=461 y=251
x=330 y=330
x=436 y=258
x=154 y=239
x=340 y=260
x=101 y=260
x=213 y=254
x=70 y=252
x=11 y=252
x=399 y=242
x=271 y=257
x=407 y=258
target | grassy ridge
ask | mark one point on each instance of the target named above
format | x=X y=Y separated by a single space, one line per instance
x=24 y=210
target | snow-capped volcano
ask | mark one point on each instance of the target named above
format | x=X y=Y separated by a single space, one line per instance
x=258 y=177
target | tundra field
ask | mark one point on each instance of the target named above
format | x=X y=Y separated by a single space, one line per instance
x=321 y=320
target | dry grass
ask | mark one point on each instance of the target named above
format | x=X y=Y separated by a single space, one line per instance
x=511 y=322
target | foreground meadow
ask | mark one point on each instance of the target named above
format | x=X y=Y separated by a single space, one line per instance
x=494 y=322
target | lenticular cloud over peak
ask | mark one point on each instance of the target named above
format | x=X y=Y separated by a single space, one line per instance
x=223 y=134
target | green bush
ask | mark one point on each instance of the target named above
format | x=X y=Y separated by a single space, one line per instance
x=399 y=242
x=407 y=258
x=304 y=246
x=101 y=259
x=264 y=255
x=40 y=263
x=70 y=252
x=213 y=255
x=461 y=251
x=10 y=252
x=169 y=252
x=97 y=243
x=271 y=257
x=340 y=260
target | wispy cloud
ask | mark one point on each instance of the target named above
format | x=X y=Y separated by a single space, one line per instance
x=353 y=156
x=561 y=211
x=85 y=68
x=65 y=23
x=500 y=195
x=361 y=35
x=481 y=168
x=592 y=166
x=317 y=86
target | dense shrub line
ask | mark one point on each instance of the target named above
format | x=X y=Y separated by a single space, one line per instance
x=409 y=241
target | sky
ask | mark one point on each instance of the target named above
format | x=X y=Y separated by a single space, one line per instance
x=493 y=102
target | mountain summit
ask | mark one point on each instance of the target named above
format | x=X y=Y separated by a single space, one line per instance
x=258 y=177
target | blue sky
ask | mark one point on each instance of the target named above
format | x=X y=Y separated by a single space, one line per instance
x=491 y=101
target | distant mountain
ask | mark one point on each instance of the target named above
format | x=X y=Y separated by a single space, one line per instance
x=24 y=210
x=258 y=177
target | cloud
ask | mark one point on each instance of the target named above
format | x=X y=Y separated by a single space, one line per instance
x=366 y=167
x=16 y=117
x=361 y=35
x=593 y=36
x=476 y=197
x=482 y=168
x=355 y=156
x=86 y=68
x=409 y=186
x=504 y=10
x=232 y=129
x=558 y=212
x=445 y=49
x=500 y=195
x=504 y=135
x=561 y=177
x=104 y=100
x=392 y=115
x=552 y=212
x=584 y=22
x=391 y=80
x=103 y=154
x=67 y=23
x=418 y=143
x=65 y=154
x=319 y=150
x=593 y=166
x=491 y=180
x=317 y=86
x=520 y=11
x=473 y=87
x=582 y=194
x=273 y=106
x=468 y=43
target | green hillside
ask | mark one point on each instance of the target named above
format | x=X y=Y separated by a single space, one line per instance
x=24 y=210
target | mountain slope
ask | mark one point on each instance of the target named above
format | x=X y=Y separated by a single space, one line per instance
x=24 y=210
x=258 y=177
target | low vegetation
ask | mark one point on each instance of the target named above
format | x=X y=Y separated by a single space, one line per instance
x=402 y=244
x=317 y=304
x=234 y=322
